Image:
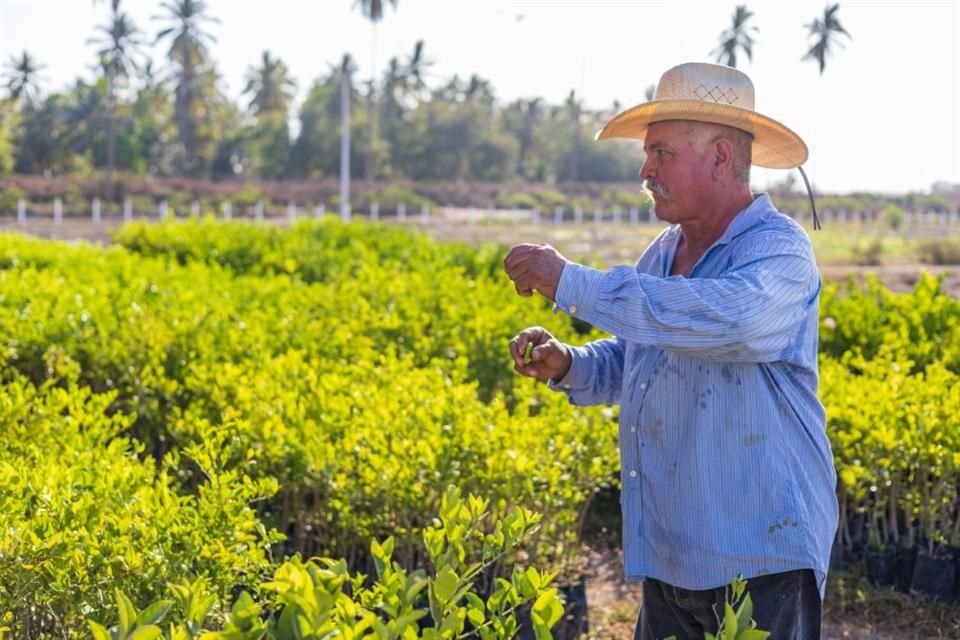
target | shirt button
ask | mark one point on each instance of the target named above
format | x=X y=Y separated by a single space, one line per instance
x=643 y=385
x=573 y=309
x=633 y=429
x=633 y=474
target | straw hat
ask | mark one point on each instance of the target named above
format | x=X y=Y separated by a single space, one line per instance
x=717 y=94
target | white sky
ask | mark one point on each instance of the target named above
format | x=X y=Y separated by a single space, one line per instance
x=884 y=117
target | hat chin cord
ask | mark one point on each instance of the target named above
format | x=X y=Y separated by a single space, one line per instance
x=816 y=218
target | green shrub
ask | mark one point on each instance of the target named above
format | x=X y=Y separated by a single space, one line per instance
x=516 y=200
x=939 y=251
x=9 y=198
x=893 y=215
x=321 y=598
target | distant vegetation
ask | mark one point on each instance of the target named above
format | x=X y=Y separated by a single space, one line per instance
x=405 y=123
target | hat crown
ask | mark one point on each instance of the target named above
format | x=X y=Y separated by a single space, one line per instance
x=706 y=83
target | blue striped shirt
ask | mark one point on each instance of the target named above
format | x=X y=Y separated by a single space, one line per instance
x=726 y=465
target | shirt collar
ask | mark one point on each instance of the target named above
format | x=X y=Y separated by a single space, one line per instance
x=755 y=213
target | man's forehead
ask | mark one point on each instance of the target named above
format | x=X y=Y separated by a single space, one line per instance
x=666 y=131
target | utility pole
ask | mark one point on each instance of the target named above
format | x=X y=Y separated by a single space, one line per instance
x=345 y=141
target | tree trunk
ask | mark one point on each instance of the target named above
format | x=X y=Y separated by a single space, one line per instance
x=111 y=138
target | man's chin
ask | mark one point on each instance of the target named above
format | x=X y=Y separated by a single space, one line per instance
x=656 y=210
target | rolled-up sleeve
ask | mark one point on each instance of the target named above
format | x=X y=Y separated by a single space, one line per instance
x=752 y=313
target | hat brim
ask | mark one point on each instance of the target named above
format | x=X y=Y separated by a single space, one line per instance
x=775 y=146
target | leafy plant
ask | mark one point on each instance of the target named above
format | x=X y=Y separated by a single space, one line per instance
x=321 y=598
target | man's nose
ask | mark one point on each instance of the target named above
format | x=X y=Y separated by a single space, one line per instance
x=646 y=170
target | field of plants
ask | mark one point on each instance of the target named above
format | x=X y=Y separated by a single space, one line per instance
x=224 y=426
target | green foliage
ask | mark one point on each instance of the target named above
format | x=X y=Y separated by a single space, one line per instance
x=184 y=127
x=177 y=401
x=82 y=513
x=320 y=598
x=9 y=198
x=893 y=215
x=517 y=200
x=940 y=251
x=9 y=122
x=297 y=381
x=890 y=379
x=247 y=197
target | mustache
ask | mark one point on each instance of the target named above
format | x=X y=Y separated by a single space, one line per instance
x=655 y=186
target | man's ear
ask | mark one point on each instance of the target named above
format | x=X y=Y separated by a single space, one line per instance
x=722 y=157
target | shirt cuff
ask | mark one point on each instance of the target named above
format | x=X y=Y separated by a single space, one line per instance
x=578 y=288
x=578 y=374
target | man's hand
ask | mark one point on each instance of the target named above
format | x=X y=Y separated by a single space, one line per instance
x=535 y=267
x=537 y=354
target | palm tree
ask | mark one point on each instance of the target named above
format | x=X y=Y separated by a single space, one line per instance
x=415 y=69
x=373 y=10
x=271 y=86
x=738 y=36
x=188 y=52
x=23 y=76
x=827 y=32
x=119 y=50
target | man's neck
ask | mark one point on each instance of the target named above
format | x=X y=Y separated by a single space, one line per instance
x=698 y=236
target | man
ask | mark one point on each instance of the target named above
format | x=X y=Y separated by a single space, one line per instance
x=726 y=466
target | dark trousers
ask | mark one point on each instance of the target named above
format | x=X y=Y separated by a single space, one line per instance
x=785 y=604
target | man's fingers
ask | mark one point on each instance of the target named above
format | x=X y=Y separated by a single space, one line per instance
x=518 y=271
x=518 y=254
x=516 y=350
x=530 y=371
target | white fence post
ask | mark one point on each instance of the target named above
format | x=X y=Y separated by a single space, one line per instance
x=95 y=211
x=58 y=209
x=21 y=211
x=292 y=211
x=345 y=213
x=227 y=210
x=558 y=215
x=424 y=213
x=195 y=208
x=634 y=215
x=319 y=210
x=401 y=212
x=162 y=210
x=598 y=215
x=374 y=210
x=536 y=216
x=616 y=215
x=127 y=210
x=577 y=215
x=258 y=211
